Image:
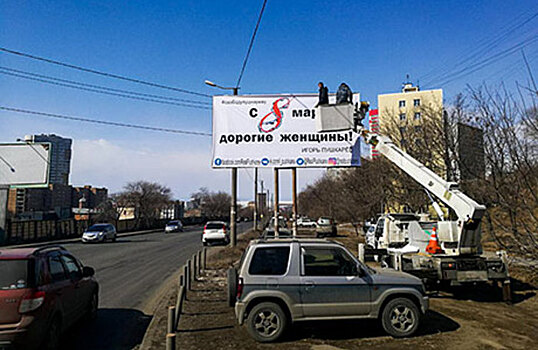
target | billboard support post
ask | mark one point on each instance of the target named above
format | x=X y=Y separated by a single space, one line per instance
x=276 y=203
x=233 y=209
x=255 y=198
x=294 y=200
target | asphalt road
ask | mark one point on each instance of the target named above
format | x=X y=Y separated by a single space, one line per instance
x=130 y=273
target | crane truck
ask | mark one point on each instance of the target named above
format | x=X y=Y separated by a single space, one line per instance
x=447 y=252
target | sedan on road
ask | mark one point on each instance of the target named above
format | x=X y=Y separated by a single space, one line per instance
x=99 y=233
x=173 y=226
x=215 y=231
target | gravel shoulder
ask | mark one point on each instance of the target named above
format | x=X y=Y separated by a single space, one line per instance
x=469 y=321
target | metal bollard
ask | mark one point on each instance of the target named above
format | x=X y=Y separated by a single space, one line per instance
x=171 y=341
x=179 y=305
x=185 y=278
x=199 y=257
x=194 y=268
x=189 y=276
x=171 y=319
x=204 y=254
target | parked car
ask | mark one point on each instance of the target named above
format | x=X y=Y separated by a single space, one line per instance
x=99 y=233
x=215 y=231
x=43 y=291
x=283 y=230
x=325 y=227
x=173 y=226
x=284 y=281
x=306 y=222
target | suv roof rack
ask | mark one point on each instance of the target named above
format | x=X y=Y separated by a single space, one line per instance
x=297 y=239
x=48 y=247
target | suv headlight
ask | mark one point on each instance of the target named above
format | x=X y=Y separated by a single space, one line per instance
x=101 y=233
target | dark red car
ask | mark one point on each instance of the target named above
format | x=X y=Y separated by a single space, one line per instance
x=43 y=291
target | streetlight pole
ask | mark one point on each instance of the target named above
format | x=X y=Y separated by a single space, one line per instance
x=233 y=207
x=255 y=198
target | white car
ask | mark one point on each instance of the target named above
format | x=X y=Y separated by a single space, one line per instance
x=215 y=231
x=173 y=226
x=306 y=222
x=99 y=233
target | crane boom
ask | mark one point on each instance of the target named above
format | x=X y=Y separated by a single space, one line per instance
x=468 y=211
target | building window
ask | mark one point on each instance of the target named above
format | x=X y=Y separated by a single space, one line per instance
x=417 y=116
x=416 y=102
x=402 y=103
x=402 y=116
x=418 y=128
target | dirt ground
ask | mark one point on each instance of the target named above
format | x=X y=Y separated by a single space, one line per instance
x=470 y=321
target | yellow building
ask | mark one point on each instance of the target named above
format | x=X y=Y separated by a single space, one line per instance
x=413 y=119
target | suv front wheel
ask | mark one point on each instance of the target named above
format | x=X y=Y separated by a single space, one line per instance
x=400 y=317
x=266 y=322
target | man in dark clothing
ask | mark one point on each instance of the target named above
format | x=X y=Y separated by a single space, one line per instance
x=344 y=94
x=323 y=94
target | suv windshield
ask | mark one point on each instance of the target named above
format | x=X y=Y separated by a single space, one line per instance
x=173 y=223
x=13 y=274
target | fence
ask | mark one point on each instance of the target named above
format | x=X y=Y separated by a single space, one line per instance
x=191 y=271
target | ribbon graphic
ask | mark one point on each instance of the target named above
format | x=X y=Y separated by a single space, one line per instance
x=272 y=124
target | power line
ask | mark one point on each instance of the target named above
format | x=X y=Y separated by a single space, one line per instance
x=103 y=122
x=103 y=87
x=250 y=44
x=101 y=91
x=480 y=49
x=105 y=74
x=490 y=60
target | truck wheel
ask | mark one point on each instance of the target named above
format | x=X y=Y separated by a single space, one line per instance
x=400 y=317
x=231 y=276
x=266 y=322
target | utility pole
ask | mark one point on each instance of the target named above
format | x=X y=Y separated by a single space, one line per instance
x=255 y=198
x=233 y=207
x=276 y=203
x=294 y=199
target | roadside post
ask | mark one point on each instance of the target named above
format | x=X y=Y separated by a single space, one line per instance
x=171 y=319
x=194 y=268
x=189 y=274
x=186 y=278
x=171 y=341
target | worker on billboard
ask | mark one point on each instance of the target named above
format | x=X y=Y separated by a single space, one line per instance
x=344 y=94
x=323 y=95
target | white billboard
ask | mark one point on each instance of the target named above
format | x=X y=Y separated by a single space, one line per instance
x=25 y=164
x=277 y=131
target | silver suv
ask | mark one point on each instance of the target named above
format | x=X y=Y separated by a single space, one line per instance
x=290 y=280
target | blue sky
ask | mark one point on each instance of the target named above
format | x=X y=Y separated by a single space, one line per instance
x=371 y=45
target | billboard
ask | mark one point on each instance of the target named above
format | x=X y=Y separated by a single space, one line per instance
x=277 y=131
x=25 y=164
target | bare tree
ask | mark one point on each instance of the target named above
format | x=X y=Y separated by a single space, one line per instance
x=213 y=204
x=147 y=197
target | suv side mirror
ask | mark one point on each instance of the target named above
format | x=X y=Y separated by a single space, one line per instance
x=87 y=271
